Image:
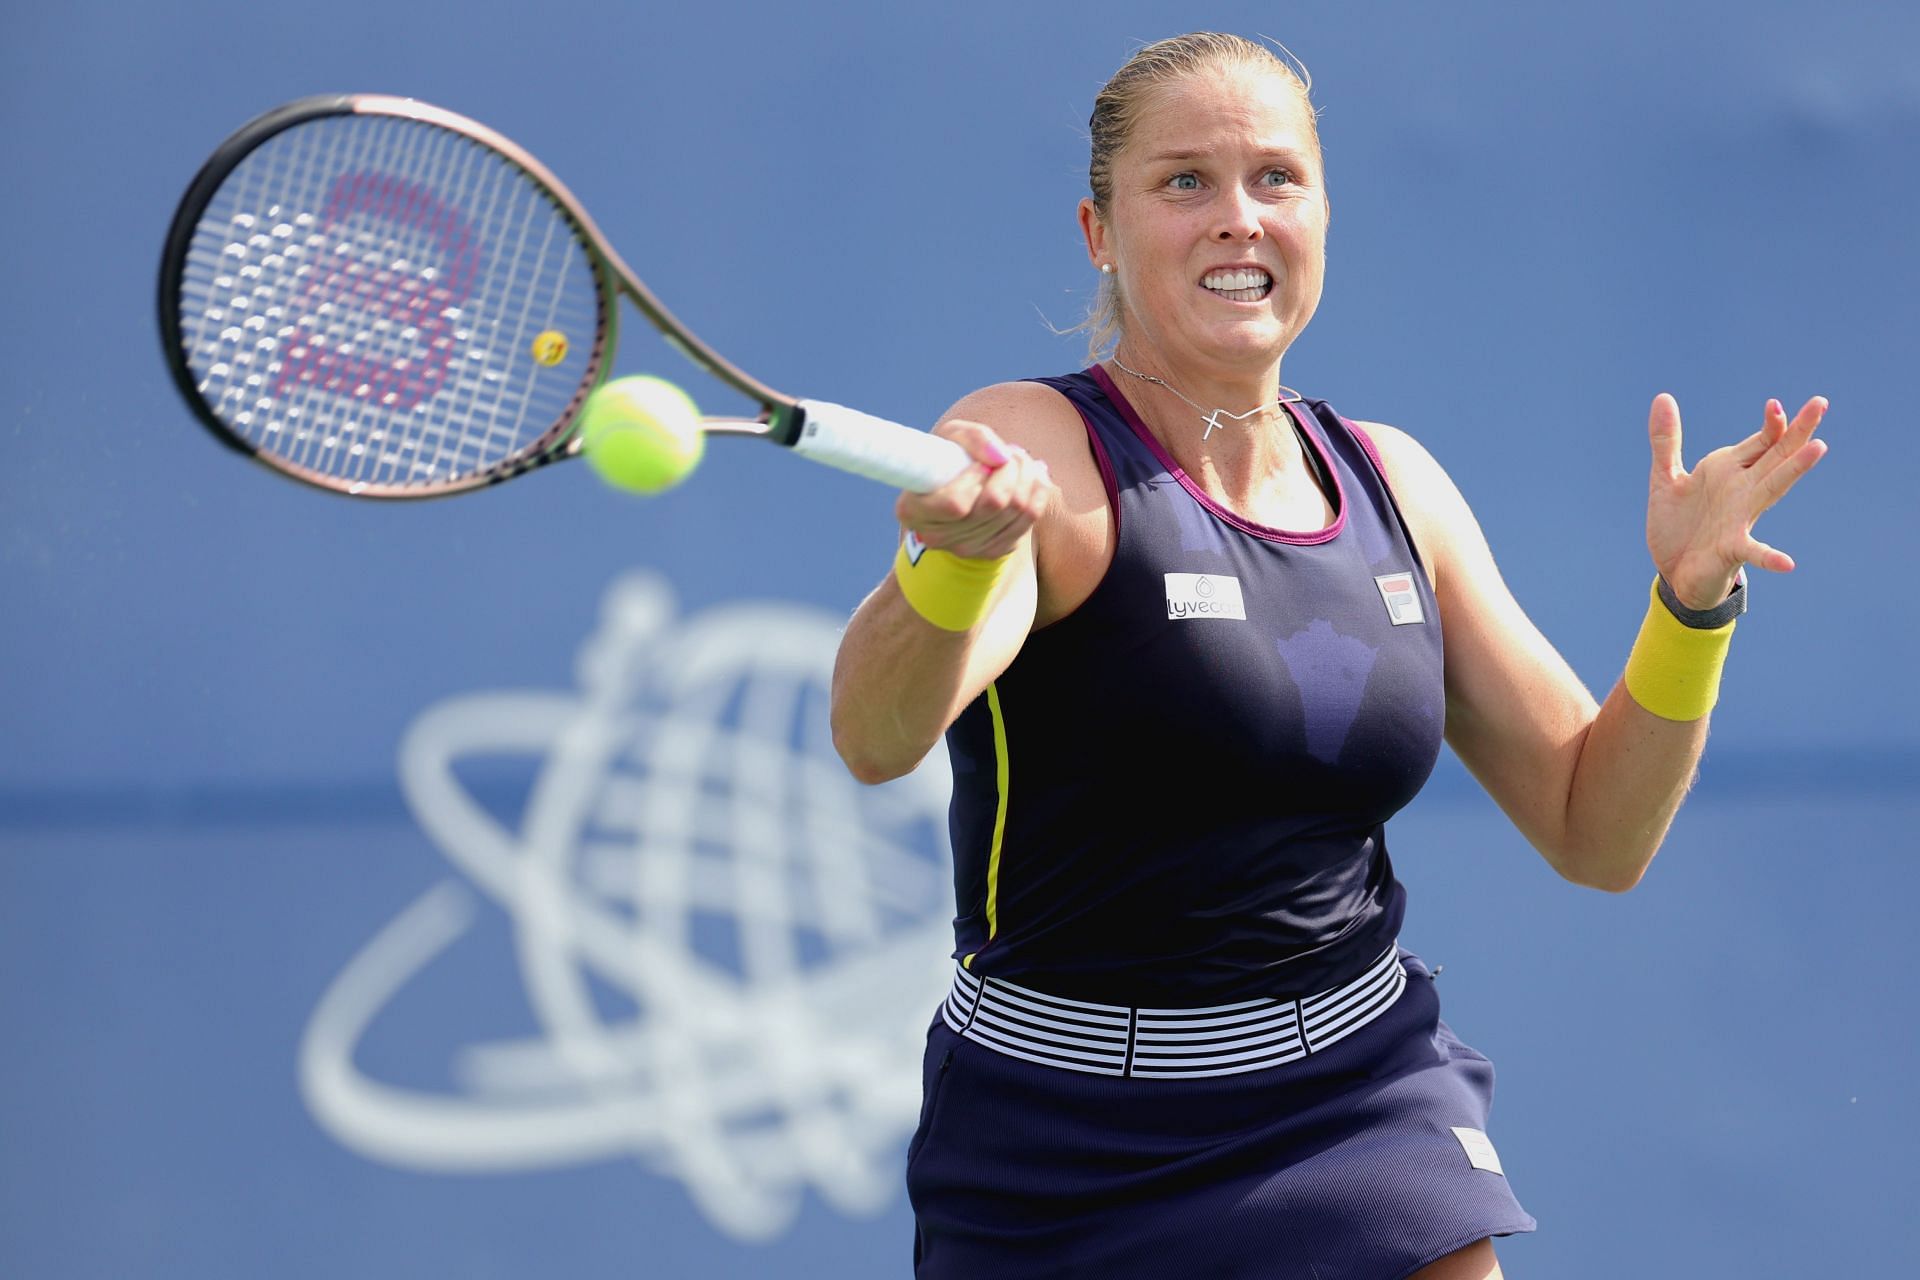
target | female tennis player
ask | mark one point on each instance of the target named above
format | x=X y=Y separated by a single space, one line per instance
x=1192 y=639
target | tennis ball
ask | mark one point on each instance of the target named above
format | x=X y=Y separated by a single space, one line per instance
x=642 y=434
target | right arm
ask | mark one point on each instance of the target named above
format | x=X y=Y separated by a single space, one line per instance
x=899 y=680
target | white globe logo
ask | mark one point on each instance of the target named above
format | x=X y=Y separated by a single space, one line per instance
x=732 y=949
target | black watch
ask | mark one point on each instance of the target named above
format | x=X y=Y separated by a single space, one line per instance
x=1707 y=619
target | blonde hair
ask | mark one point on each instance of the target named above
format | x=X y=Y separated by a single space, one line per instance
x=1117 y=110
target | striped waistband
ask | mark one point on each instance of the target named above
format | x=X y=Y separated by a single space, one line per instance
x=1113 y=1040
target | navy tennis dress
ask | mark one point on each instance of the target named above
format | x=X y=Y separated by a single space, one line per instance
x=1182 y=1038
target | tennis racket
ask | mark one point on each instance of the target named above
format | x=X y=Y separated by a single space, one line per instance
x=388 y=300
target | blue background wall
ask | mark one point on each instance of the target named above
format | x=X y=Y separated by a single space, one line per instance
x=216 y=683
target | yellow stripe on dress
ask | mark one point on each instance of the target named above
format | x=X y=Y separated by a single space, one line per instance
x=999 y=817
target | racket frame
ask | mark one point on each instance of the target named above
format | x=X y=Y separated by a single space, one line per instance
x=782 y=418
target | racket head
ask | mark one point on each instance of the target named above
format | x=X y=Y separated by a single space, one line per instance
x=384 y=299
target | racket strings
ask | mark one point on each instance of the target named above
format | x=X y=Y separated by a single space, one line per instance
x=363 y=296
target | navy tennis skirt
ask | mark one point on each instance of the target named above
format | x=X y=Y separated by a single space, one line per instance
x=1347 y=1164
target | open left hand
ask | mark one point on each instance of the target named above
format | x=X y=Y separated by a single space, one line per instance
x=1700 y=522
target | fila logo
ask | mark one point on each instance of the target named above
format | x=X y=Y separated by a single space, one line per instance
x=1204 y=595
x=1403 y=602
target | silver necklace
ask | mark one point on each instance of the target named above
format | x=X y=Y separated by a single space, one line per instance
x=1211 y=418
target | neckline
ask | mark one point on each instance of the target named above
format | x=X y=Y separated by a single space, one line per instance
x=1298 y=537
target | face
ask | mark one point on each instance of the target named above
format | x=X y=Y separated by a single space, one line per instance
x=1218 y=223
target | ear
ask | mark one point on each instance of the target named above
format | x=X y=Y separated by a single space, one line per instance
x=1095 y=232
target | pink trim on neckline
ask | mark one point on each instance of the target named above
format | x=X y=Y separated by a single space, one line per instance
x=1314 y=538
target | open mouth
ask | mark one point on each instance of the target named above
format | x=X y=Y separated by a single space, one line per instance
x=1243 y=284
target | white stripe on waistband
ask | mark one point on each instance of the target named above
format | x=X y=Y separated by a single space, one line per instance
x=1114 y=1040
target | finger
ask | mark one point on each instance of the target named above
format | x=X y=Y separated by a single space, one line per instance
x=1801 y=429
x=932 y=515
x=1022 y=488
x=999 y=487
x=1761 y=556
x=996 y=529
x=1773 y=422
x=984 y=512
x=982 y=443
x=1806 y=422
x=953 y=500
x=1783 y=477
x=1663 y=432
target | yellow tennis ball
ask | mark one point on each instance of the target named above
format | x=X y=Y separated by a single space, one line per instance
x=642 y=434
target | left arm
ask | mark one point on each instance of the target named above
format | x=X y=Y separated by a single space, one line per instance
x=1592 y=786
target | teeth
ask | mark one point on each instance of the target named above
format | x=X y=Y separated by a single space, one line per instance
x=1241 y=279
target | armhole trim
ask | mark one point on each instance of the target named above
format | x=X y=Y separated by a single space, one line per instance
x=1386 y=486
x=1105 y=463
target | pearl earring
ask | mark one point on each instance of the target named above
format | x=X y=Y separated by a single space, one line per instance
x=1106 y=268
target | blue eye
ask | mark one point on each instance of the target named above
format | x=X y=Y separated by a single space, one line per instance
x=1277 y=178
x=1184 y=182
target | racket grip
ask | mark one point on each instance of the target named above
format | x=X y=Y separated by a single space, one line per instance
x=876 y=448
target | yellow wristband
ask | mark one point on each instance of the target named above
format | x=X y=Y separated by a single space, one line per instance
x=1674 y=669
x=952 y=592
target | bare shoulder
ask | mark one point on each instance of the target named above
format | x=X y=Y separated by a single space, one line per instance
x=1410 y=468
x=1035 y=417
